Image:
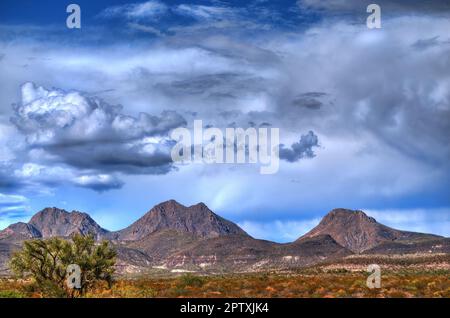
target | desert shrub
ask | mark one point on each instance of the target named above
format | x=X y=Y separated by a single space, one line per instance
x=189 y=280
x=46 y=263
x=11 y=294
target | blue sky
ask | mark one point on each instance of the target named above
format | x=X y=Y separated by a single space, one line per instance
x=85 y=114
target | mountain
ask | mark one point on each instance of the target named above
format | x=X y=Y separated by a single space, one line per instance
x=51 y=222
x=175 y=238
x=358 y=232
x=197 y=219
x=162 y=243
x=19 y=232
x=239 y=253
x=430 y=245
x=11 y=239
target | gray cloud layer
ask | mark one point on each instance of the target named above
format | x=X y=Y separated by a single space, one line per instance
x=71 y=137
x=375 y=98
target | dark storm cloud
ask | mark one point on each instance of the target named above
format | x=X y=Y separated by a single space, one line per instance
x=84 y=141
x=230 y=114
x=310 y=100
x=301 y=149
x=99 y=183
x=8 y=182
x=218 y=85
x=116 y=157
x=424 y=44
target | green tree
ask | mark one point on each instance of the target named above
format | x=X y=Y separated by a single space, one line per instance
x=47 y=261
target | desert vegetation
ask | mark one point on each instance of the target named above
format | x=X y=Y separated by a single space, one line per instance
x=52 y=267
x=313 y=282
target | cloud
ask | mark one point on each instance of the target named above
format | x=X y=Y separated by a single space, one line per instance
x=387 y=6
x=383 y=123
x=310 y=100
x=278 y=230
x=8 y=180
x=185 y=18
x=53 y=117
x=12 y=207
x=100 y=182
x=423 y=44
x=69 y=138
x=202 y=12
x=301 y=149
x=136 y=11
x=214 y=86
x=87 y=133
x=433 y=220
x=32 y=176
x=145 y=28
x=11 y=199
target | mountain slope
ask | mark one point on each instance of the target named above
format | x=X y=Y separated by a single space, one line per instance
x=239 y=253
x=52 y=222
x=19 y=232
x=197 y=219
x=162 y=243
x=422 y=246
x=359 y=232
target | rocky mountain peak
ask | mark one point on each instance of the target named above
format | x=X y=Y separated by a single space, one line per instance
x=58 y=222
x=20 y=231
x=357 y=231
x=197 y=219
x=346 y=215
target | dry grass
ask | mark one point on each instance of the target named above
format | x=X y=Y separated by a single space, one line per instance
x=316 y=282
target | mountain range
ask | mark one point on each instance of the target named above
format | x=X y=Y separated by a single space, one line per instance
x=175 y=238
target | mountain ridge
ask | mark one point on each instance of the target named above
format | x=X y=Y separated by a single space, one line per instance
x=53 y=221
x=175 y=237
x=197 y=219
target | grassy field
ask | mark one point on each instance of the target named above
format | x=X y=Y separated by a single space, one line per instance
x=307 y=283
